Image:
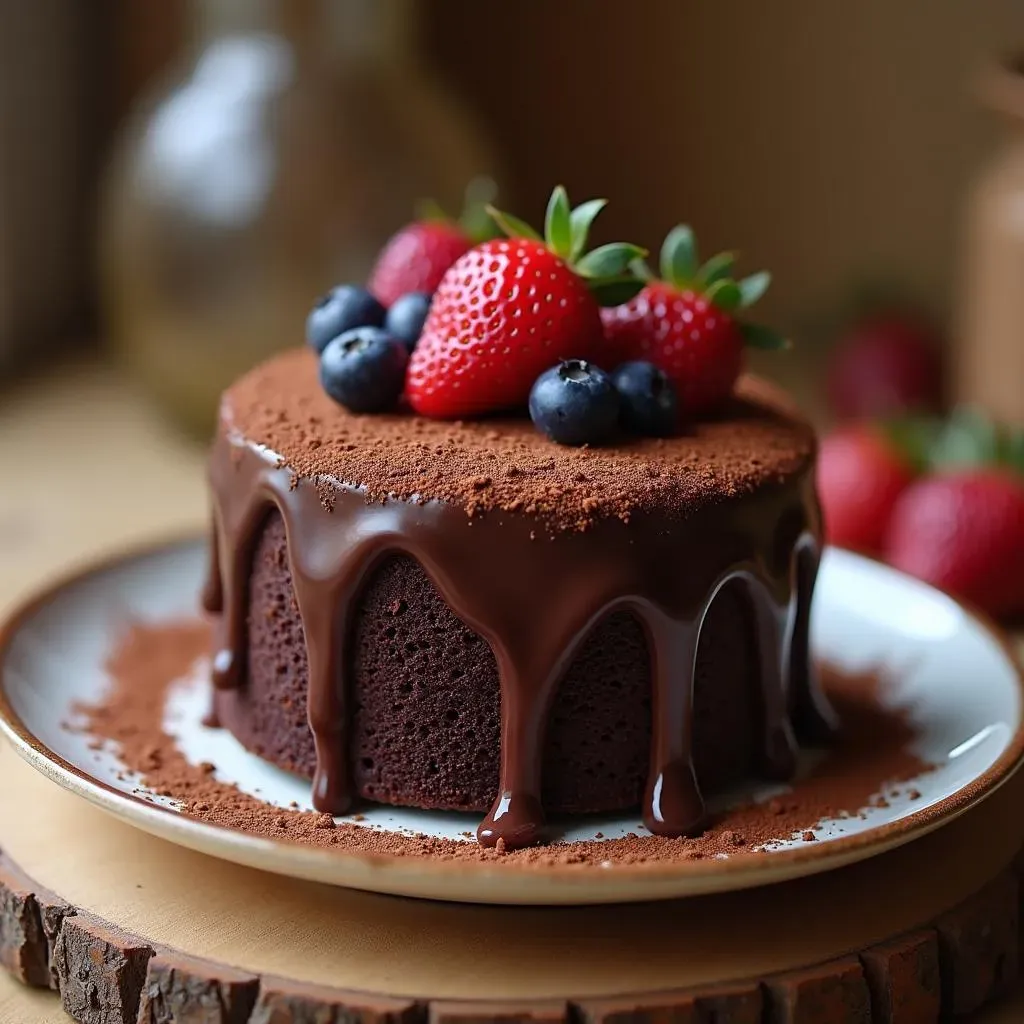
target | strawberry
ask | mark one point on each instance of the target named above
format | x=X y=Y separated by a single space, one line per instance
x=963 y=531
x=416 y=257
x=860 y=477
x=510 y=309
x=686 y=324
x=886 y=363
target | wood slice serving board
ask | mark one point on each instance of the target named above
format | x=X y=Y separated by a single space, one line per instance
x=132 y=928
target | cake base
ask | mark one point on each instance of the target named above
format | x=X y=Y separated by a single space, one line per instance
x=105 y=912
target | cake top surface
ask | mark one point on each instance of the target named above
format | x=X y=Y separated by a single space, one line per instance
x=504 y=464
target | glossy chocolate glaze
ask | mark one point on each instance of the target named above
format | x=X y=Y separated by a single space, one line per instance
x=533 y=597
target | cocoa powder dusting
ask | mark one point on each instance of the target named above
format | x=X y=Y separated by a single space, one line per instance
x=505 y=465
x=871 y=756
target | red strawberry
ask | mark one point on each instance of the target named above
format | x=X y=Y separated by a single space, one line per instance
x=963 y=531
x=416 y=257
x=508 y=310
x=686 y=324
x=887 y=363
x=860 y=477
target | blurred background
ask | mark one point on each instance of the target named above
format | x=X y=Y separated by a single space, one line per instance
x=180 y=179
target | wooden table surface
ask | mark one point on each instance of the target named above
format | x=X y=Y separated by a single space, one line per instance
x=88 y=468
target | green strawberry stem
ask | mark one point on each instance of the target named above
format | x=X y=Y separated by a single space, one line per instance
x=474 y=220
x=966 y=438
x=680 y=266
x=610 y=271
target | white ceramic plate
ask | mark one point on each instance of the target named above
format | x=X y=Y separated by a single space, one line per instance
x=956 y=677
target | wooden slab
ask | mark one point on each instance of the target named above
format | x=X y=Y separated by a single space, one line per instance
x=159 y=933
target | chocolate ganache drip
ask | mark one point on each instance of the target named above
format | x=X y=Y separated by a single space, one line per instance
x=534 y=598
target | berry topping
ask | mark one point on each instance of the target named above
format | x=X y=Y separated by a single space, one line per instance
x=575 y=403
x=364 y=369
x=963 y=531
x=887 y=363
x=648 y=400
x=340 y=310
x=507 y=309
x=406 y=316
x=940 y=499
x=860 y=476
x=687 y=324
x=416 y=257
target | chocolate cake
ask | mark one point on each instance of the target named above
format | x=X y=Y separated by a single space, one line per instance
x=465 y=615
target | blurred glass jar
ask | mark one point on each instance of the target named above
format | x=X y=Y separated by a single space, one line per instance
x=296 y=140
x=990 y=342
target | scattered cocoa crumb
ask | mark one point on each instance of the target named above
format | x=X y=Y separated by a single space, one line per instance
x=150 y=759
x=324 y=821
x=207 y=767
x=871 y=755
x=914 y=794
x=499 y=846
x=808 y=836
x=358 y=817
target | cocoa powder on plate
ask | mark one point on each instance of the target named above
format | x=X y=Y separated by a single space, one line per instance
x=871 y=756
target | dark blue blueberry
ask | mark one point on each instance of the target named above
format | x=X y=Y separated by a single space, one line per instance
x=575 y=403
x=405 y=317
x=340 y=310
x=648 y=400
x=364 y=369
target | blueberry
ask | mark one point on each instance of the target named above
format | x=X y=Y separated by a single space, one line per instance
x=340 y=310
x=406 y=315
x=575 y=403
x=648 y=400
x=364 y=369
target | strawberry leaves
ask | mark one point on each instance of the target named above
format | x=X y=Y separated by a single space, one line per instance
x=513 y=226
x=580 y=221
x=680 y=266
x=475 y=220
x=753 y=288
x=763 y=338
x=678 y=262
x=725 y=294
x=611 y=260
x=966 y=438
x=558 y=223
x=718 y=268
x=610 y=271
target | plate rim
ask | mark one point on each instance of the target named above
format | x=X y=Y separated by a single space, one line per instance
x=432 y=878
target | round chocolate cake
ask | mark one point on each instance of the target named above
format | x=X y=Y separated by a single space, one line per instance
x=465 y=615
